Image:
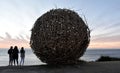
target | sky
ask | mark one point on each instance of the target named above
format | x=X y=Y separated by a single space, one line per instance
x=18 y=16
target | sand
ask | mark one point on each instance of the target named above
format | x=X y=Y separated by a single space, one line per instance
x=91 y=67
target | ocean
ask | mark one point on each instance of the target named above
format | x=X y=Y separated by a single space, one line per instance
x=31 y=59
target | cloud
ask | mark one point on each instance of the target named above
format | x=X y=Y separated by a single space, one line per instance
x=110 y=38
x=7 y=41
x=8 y=36
x=112 y=26
x=28 y=37
x=106 y=45
x=1 y=37
x=107 y=34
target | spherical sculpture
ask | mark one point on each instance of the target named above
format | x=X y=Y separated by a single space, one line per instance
x=59 y=36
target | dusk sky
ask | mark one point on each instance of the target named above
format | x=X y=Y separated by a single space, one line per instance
x=18 y=16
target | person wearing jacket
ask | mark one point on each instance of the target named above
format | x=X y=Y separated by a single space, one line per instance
x=22 y=55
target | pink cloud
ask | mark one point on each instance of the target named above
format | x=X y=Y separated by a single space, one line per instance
x=7 y=41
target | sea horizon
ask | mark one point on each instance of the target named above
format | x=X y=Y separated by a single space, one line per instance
x=31 y=59
x=86 y=49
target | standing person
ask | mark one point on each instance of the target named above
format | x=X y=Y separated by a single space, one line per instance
x=15 y=54
x=10 y=52
x=22 y=55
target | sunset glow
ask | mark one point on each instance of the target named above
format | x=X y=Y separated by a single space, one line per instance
x=17 y=18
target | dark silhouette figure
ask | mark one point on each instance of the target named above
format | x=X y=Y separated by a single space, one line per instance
x=22 y=55
x=10 y=52
x=15 y=54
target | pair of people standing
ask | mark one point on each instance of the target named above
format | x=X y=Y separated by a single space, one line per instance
x=14 y=55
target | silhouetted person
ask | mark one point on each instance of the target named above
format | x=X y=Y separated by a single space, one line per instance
x=10 y=52
x=15 y=54
x=22 y=55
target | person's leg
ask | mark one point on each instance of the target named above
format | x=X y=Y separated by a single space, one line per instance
x=10 y=63
x=14 y=61
x=17 y=61
x=9 y=60
x=21 y=61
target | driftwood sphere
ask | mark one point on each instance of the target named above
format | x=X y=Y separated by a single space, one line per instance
x=59 y=36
